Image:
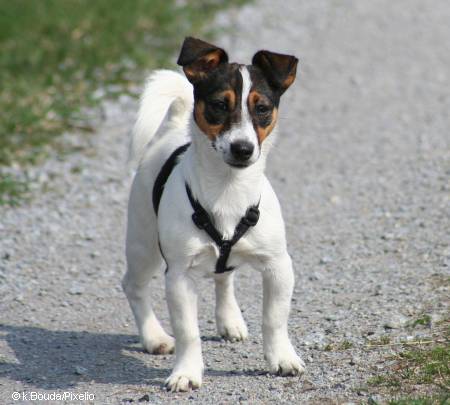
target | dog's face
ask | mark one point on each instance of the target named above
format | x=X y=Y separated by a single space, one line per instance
x=236 y=106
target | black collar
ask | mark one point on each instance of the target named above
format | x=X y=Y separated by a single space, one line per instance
x=203 y=221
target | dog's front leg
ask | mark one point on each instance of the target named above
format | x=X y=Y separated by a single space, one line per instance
x=278 y=285
x=182 y=302
x=229 y=320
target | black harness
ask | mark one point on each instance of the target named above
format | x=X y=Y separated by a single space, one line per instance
x=164 y=174
x=203 y=221
x=201 y=218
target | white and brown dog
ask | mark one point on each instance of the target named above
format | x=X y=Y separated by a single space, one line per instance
x=202 y=145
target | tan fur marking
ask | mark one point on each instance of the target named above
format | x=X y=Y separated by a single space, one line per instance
x=289 y=80
x=211 y=131
x=253 y=98
x=212 y=59
x=263 y=133
x=230 y=96
x=201 y=67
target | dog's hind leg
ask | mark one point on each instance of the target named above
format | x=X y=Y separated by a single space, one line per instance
x=136 y=285
x=144 y=259
x=229 y=321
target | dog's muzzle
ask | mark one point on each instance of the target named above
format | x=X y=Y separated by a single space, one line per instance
x=241 y=152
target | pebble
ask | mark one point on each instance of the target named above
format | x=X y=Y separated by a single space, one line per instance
x=315 y=276
x=80 y=370
x=325 y=260
x=396 y=322
x=76 y=290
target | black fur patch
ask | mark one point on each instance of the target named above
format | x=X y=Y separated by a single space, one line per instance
x=279 y=70
x=210 y=91
x=261 y=85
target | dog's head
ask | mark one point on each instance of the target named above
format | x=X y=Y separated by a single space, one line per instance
x=236 y=106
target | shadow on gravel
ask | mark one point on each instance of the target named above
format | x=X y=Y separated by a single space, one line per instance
x=61 y=359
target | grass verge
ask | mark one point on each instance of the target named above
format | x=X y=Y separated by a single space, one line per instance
x=60 y=56
x=12 y=190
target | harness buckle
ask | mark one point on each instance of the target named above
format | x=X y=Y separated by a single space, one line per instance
x=201 y=219
x=251 y=217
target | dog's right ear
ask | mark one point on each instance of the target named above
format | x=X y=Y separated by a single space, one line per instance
x=198 y=58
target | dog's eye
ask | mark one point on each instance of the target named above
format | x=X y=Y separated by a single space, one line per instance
x=219 y=105
x=262 y=109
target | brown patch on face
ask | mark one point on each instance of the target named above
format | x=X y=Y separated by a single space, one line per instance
x=211 y=130
x=217 y=105
x=230 y=97
x=264 y=132
x=262 y=122
x=253 y=98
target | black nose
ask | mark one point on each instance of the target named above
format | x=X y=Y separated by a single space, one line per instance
x=241 y=150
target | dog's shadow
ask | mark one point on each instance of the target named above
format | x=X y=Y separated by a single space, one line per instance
x=62 y=359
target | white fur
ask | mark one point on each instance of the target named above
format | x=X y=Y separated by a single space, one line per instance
x=164 y=89
x=226 y=193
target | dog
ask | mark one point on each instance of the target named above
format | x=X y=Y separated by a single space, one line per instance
x=202 y=141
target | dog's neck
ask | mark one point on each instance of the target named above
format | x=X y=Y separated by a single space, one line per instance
x=224 y=191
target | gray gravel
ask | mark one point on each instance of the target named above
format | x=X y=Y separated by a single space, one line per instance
x=362 y=171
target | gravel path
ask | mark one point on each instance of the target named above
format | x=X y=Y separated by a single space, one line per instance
x=362 y=171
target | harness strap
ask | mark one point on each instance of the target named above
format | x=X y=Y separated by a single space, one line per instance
x=164 y=173
x=203 y=221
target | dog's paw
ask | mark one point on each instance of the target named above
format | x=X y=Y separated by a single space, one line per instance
x=232 y=328
x=285 y=361
x=183 y=381
x=164 y=344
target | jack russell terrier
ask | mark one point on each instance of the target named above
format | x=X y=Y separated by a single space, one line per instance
x=202 y=142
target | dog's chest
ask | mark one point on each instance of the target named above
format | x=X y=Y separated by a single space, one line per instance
x=206 y=256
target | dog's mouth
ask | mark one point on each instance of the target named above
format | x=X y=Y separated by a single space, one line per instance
x=239 y=165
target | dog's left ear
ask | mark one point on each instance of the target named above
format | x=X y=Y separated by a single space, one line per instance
x=198 y=58
x=279 y=69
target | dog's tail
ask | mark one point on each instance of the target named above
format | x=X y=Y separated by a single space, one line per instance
x=166 y=93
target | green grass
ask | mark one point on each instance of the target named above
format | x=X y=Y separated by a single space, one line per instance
x=344 y=345
x=55 y=54
x=424 y=320
x=432 y=400
x=12 y=190
x=427 y=366
x=435 y=400
x=380 y=341
x=383 y=380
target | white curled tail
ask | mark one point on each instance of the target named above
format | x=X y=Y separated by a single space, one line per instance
x=166 y=93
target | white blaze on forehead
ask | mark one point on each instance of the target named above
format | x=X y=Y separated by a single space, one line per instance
x=244 y=129
x=246 y=86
